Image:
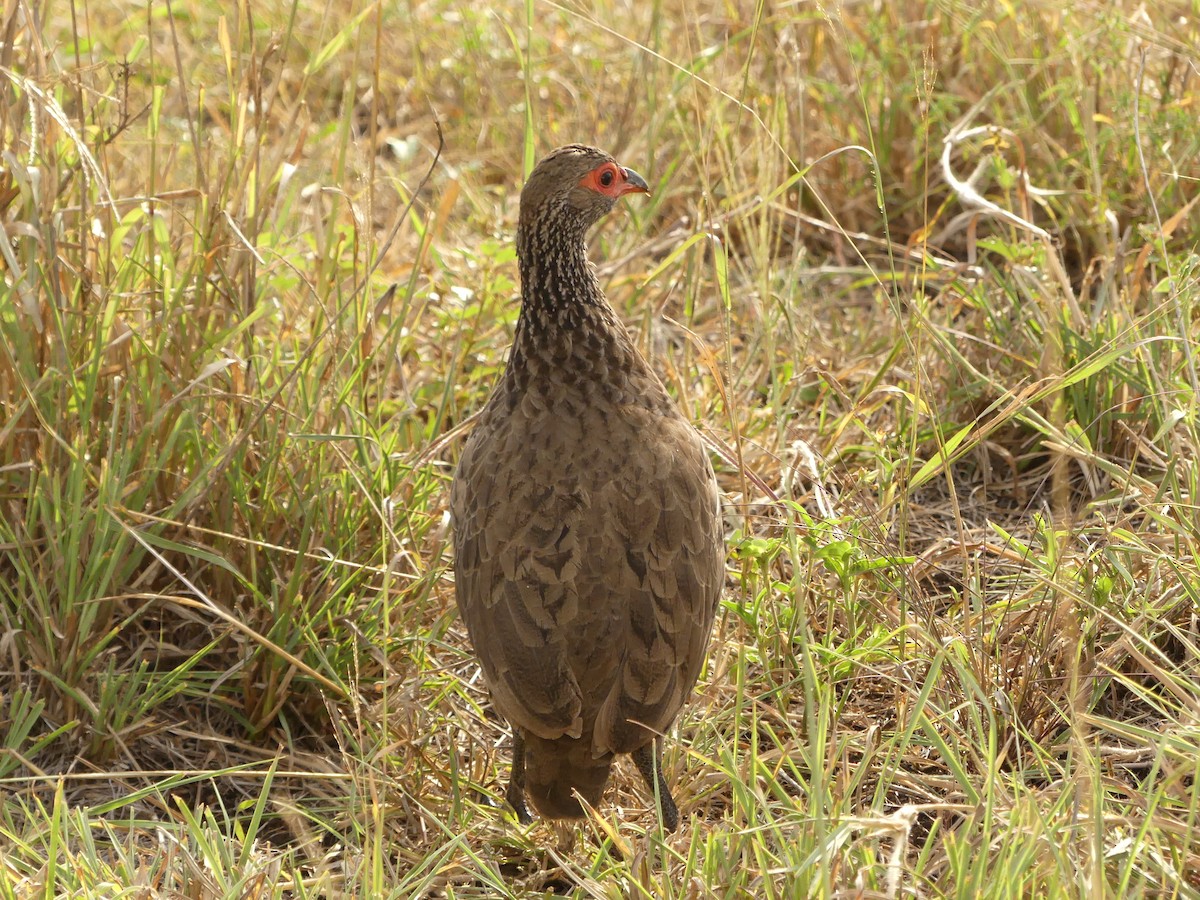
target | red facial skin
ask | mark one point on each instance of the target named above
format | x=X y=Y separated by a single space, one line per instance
x=614 y=181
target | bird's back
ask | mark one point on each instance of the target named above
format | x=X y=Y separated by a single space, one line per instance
x=589 y=561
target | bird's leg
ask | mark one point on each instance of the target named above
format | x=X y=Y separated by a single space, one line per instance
x=648 y=760
x=515 y=795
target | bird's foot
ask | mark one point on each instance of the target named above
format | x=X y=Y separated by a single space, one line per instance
x=516 y=799
x=515 y=795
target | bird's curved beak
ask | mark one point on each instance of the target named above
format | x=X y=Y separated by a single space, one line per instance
x=634 y=183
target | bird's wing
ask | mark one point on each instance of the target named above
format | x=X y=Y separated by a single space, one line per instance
x=666 y=536
x=516 y=560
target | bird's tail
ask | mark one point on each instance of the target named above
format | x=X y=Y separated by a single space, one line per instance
x=558 y=770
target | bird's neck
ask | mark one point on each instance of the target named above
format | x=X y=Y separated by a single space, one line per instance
x=567 y=333
x=559 y=290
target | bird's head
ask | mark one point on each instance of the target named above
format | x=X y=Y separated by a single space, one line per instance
x=571 y=188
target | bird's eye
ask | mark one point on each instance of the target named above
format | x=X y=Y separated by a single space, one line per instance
x=606 y=178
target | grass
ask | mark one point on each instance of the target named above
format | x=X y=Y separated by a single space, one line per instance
x=924 y=273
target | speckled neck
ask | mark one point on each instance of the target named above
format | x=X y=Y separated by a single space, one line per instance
x=568 y=336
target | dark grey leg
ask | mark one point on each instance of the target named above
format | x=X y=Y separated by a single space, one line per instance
x=515 y=795
x=648 y=760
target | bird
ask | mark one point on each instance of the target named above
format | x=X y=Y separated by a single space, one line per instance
x=588 y=547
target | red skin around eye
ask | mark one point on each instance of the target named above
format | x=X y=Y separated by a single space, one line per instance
x=623 y=181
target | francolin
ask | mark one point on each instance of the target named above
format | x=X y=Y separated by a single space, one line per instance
x=588 y=548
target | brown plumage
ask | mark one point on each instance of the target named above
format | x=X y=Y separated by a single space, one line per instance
x=587 y=538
